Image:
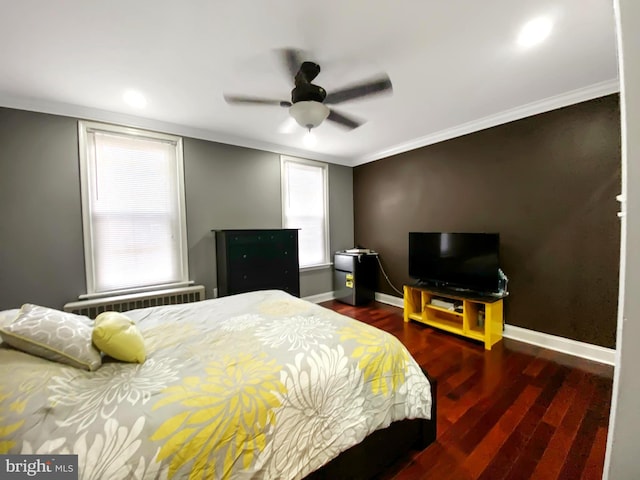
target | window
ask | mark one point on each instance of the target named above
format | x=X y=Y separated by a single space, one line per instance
x=304 y=206
x=133 y=209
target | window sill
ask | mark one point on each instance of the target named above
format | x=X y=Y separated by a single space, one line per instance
x=136 y=291
x=321 y=266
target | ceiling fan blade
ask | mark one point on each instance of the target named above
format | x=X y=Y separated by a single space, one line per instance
x=243 y=100
x=291 y=59
x=343 y=120
x=371 y=87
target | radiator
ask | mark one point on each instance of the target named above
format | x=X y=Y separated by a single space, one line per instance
x=121 y=303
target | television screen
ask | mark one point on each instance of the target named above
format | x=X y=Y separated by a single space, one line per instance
x=468 y=261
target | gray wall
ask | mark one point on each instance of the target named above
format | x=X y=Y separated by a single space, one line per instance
x=41 y=246
x=622 y=443
x=234 y=187
x=41 y=249
x=226 y=187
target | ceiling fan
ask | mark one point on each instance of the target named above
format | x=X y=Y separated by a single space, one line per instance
x=308 y=105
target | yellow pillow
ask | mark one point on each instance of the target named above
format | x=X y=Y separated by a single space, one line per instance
x=117 y=336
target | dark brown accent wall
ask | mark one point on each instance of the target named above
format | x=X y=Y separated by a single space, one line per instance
x=546 y=183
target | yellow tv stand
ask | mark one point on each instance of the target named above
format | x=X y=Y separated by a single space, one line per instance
x=478 y=318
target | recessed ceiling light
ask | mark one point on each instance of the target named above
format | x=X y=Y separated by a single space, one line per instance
x=134 y=99
x=534 y=32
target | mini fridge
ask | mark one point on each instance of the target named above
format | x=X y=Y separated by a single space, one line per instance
x=354 y=277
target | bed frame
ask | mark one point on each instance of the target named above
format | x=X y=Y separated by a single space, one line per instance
x=382 y=448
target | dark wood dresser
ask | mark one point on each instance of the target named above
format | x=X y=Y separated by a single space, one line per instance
x=251 y=260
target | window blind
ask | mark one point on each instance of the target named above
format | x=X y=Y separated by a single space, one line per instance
x=304 y=188
x=135 y=202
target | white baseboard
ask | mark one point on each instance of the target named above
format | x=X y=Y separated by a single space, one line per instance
x=390 y=299
x=544 y=340
x=561 y=344
x=320 y=297
x=380 y=297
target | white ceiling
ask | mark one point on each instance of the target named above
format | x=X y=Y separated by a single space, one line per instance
x=455 y=65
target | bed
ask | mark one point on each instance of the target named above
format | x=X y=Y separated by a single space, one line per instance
x=257 y=385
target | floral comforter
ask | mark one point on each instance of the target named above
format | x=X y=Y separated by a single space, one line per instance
x=258 y=385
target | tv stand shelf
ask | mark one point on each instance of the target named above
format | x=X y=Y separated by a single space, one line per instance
x=479 y=318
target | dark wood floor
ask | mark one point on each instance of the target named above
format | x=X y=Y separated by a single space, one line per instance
x=515 y=412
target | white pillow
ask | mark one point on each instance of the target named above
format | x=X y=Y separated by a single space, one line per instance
x=8 y=316
x=54 y=335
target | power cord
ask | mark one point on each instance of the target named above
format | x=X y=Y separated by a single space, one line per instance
x=387 y=277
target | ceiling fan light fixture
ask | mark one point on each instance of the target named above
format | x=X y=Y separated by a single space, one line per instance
x=309 y=114
x=310 y=139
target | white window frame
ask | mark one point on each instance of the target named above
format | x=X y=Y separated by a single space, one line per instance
x=84 y=129
x=284 y=159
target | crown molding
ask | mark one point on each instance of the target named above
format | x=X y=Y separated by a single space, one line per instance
x=95 y=114
x=87 y=113
x=552 y=103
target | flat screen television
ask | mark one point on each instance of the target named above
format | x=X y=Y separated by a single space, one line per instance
x=458 y=261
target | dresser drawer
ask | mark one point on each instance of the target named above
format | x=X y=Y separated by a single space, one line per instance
x=250 y=260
